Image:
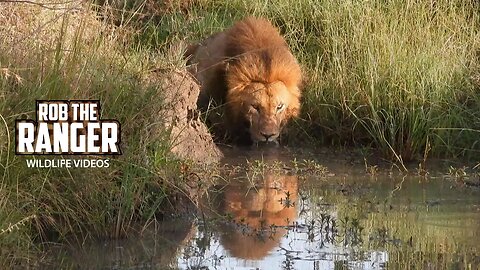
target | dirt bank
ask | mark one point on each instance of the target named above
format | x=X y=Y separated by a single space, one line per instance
x=190 y=137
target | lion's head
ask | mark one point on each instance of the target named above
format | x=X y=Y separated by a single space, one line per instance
x=263 y=109
x=263 y=79
x=258 y=209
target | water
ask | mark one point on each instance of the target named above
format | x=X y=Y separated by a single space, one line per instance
x=307 y=215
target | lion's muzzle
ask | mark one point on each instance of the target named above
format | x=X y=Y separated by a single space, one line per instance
x=267 y=130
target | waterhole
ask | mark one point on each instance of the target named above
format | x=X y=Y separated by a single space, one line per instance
x=307 y=210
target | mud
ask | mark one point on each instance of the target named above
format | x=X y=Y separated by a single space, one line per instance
x=190 y=137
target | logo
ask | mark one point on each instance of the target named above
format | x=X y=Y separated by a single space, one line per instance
x=67 y=128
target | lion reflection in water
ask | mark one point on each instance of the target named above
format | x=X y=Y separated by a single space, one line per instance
x=272 y=203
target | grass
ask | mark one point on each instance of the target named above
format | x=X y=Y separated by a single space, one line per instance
x=403 y=77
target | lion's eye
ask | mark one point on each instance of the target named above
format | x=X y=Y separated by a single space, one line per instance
x=255 y=107
x=280 y=107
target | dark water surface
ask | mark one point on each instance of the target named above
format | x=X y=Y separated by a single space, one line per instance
x=287 y=210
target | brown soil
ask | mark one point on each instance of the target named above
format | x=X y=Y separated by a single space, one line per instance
x=190 y=137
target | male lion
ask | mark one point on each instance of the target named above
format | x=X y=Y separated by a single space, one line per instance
x=273 y=202
x=250 y=69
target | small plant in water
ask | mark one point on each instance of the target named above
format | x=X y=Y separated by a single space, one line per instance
x=309 y=166
x=370 y=169
x=457 y=173
x=421 y=171
x=288 y=201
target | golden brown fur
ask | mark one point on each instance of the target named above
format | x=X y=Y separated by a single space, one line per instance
x=251 y=70
x=258 y=209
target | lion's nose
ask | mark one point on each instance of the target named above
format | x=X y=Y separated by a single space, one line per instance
x=269 y=136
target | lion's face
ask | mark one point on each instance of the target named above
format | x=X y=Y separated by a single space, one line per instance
x=265 y=109
x=266 y=205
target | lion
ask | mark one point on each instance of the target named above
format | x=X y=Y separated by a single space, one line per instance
x=273 y=202
x=250 y=70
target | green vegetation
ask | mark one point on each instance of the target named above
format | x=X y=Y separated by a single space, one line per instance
x=403 y=77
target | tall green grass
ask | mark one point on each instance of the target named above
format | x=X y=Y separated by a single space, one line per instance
x=398 y=74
